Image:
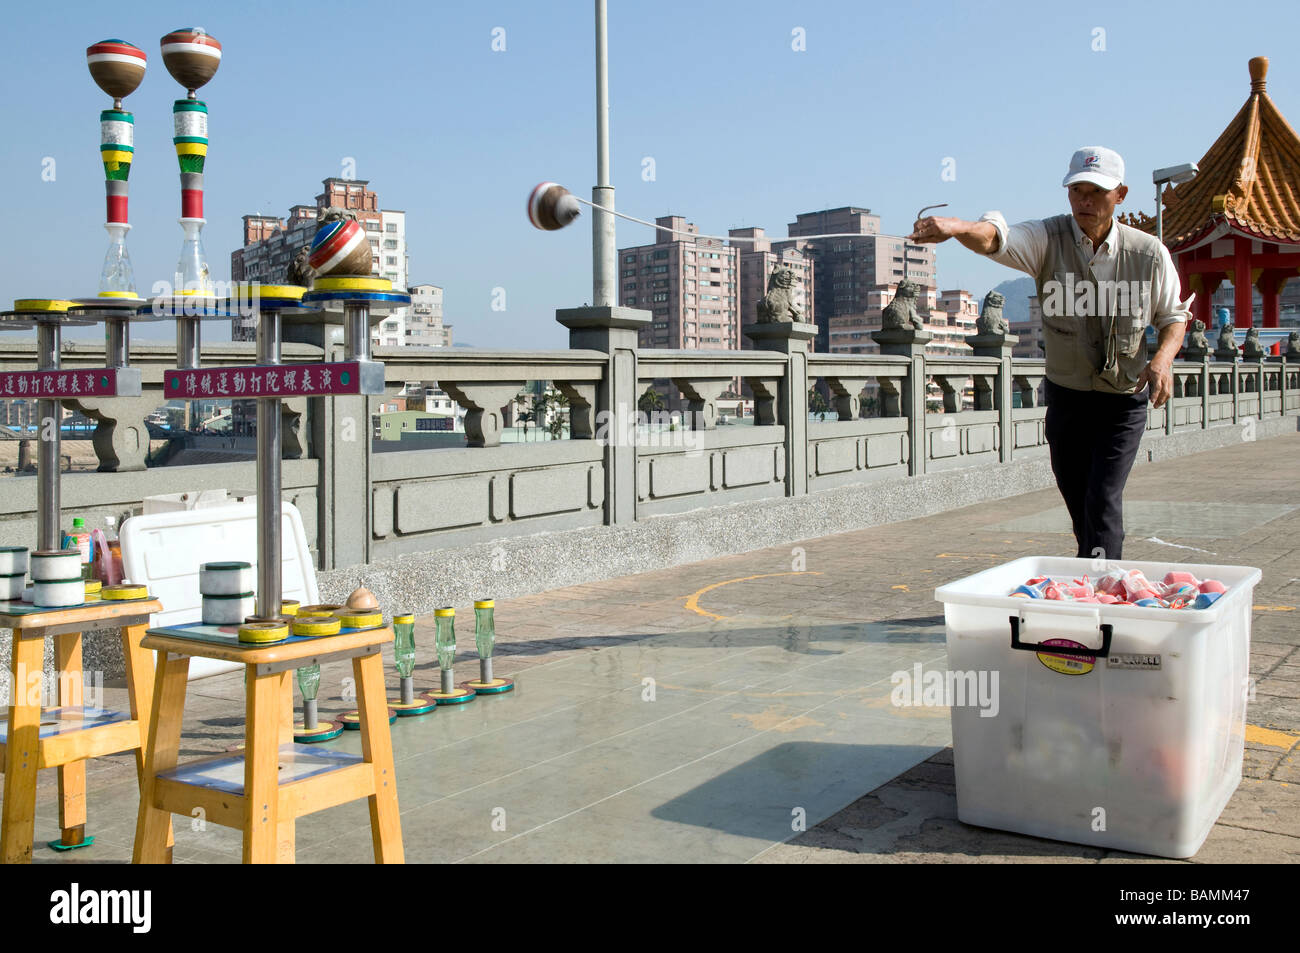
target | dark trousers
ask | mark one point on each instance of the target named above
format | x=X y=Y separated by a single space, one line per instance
x=1094 y=439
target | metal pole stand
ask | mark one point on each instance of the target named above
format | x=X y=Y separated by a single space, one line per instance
x=357 y=302
x=50 y=385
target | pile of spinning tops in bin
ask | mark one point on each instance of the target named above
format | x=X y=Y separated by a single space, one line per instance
x=1178 y=590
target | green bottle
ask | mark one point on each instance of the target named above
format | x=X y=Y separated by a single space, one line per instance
x=404 y=654
x=485 y=637
x=445 y=619
x=309 y=684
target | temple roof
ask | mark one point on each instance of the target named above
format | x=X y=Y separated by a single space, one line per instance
x=1248 y=183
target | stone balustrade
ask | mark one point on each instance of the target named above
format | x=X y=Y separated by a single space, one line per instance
x=360 y=506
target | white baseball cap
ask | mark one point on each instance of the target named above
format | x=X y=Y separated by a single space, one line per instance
x=1096 y=164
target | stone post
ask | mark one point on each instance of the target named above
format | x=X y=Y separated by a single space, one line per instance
x=1000 y=346
x=790 y=339
x=613 y=330
x=121 y=439
x=910 y=343
x=339 y=439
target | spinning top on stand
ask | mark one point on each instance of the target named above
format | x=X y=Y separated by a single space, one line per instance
x=117 y=67
x=192 y=58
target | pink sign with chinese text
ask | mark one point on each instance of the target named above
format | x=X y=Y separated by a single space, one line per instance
x=279 y=380
x=56 y=385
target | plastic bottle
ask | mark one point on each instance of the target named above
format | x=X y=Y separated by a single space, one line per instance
x=114 y=546
x=108 y=555
x=79 y=539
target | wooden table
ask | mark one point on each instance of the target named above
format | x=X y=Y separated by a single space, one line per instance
x=274 y=781
x=66 y=736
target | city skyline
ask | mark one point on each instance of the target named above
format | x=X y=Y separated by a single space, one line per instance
x=728 y=115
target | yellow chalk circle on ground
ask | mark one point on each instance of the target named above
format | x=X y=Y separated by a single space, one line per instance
x=263 y=632
x=124 y=592
x=316 y=626
x=361 y=620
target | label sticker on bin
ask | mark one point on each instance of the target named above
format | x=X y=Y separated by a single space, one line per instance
x=1066 y=664
x=1142 y=662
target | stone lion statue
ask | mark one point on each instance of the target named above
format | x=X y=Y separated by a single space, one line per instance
x=1196 y=340
x=777 y=306
x=1252 y=348
x=901 y=313
x=991 y=320
x=1227 y=338
x=299 y=271
x=1293 y=344
x=335 y=214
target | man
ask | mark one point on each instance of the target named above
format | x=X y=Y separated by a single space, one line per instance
x=1100 y=283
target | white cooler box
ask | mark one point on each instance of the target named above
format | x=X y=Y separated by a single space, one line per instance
x=1138 y=750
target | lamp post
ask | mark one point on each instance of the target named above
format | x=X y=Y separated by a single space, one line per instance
x=604 y=252
x=1171 y=175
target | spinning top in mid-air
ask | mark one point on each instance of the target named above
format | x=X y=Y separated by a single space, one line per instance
x=551 y=206
x=116 y=66
x=191 y=56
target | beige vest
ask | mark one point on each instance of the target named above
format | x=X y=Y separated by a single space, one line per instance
x=1094 y=338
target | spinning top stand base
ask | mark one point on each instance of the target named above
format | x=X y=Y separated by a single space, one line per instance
x=449 y=694
x=497 y=686
x=352 y=719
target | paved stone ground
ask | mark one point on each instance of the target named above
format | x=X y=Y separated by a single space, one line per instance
x=817 y=602
x=913 y=819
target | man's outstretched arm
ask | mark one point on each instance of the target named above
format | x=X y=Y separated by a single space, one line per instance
x=979 y=237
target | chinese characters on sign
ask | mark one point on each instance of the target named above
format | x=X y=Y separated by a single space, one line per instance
x=288 y=380
x=58 y=384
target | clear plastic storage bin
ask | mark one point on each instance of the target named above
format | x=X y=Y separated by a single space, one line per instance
x=1126 y=733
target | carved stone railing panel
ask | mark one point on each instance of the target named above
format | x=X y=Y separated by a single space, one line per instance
x=582 y=408
x=951 y=389
x=765 y=390
x=483 y=401
x=847 y=395
x=702 y=395
x=121 y=439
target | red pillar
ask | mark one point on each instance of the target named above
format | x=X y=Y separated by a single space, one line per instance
x=1242 y=287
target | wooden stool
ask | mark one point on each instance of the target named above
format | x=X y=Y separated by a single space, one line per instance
x=262 y=790
x=66 y=736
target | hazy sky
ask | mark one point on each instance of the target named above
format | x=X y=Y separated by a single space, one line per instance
x=744 y=129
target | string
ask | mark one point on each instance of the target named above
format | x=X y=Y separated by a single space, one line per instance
x=720 y=238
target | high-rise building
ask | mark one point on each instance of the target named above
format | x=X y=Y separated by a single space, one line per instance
x=850 y=273
x=424 y=322
x=271 y=243
x=690 y=285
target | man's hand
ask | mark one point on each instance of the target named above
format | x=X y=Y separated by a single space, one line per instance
x=1159 y=374
x=933 y=229
x=979 y=237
